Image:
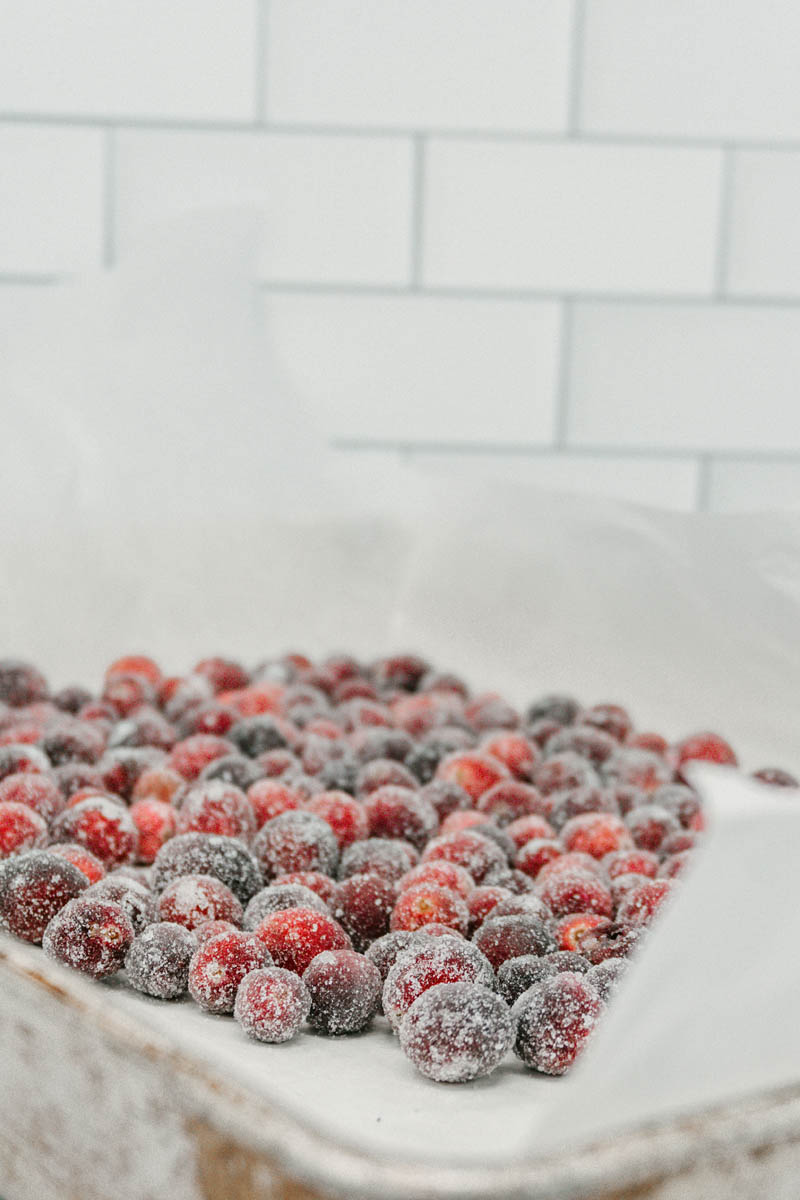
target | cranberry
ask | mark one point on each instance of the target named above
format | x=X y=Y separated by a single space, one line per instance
x=445 y=797
x=674 y=865
x=473 y=851
x=219 y=965
x=155 y=824
x=514 y=751
x=33 y=888
x=475 y=772
x=500 y=938
x=400 y=670
x=639 y=768
x=681 y=801
x=191 y=756
x=569 y=930
x=422 y=965
x=528 y=905
x=18 y=758
x=21 y=683
x=536 y=853
x=777 y=777
x=127 y=693
x=640 y=904
x=554 y=707
x=378 y=741
x=133 y=897
x=158 y=783
x=209 y=929
x=588 y=743
x=576 y=892
x=364 y=907
x=574 y=860
x=222 y=673
x=269 y=798
x=705 y=747
x=433 y=748
x=426 y=903
x=277 y=898
x=605 y=976
x=89 y=935
x=455 y=1032
x=216 y=808
x=208 y=854
x=191 y=900
x=21 y=829
x=597 y=834
x=678 y=842
x=297 y=935
x=212 y=717
x=121 y=768
x=157 y=963
x=145 y=727
x=525 y=829
x=610 y=718
x=462 y=819
x=345 y=990
x=102 y=826
x=346 y=817
x=296 y=841
x=379 y=856
x=233 y=769
x=136 y=664
x=271 y=1004
x=614 y=940
x=625 y=862
x=397 y=812
x=83 y=859
x=257 y=735
x=322 y=885
x=649 y=741
x=482 y=901
x=349 y=689
x=516 y=975
x=509 y=800
x=563 y=771
x=442 y=874
x=491 y=712
x=553 y=1019
x=651 y=825
x=385 y=950
x=577 y=802
x=276 y=763
x=383 y=772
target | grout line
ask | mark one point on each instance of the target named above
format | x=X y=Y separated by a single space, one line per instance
x=724 y=226
x=561 y=428
x=261 y=50
x=109 y=197
x=233 y=125
x=419 y=148
x=538 y=450
x=703 y=496
x=577 y=46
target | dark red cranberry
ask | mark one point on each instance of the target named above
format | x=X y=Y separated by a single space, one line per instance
x=400 y=671
x=157 y=963
x=455 y=1032
x=72 y=698
x=191 y=900
x=777 y=777
x=19 y=758
x=576 y=802
x=561 y=772
x=223 y=674
x=609 y=718
x=500 y=938
x=446 y=959
x=434 y=747
x=89 y=935
x=235 y=769
x=605 y=976
x=33 y=888
x=553 y=1020
x=553 y=707
x=133 y=897
x=271 y=1004
x=145 y=727
x=650 y=826
x=398 y=812
x=363 y=907
x=384 y=951
x=473 y=851
x=674 y=865
x=445 y=797
x=212 y=717
x=120 y=769
x=516 y=975
x=482 y=901
x=296 y=841
x=21 y=683
x=345 y=989
x=219 y=965
x=383 y=772
x=208 y=854
x=257 y=735
x=576 y=892
x=217 y=808
x=614 y=940
x=681 y=801
x=387 y=857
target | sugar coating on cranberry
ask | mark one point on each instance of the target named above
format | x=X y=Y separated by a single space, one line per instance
x=101 y=825
x=155 y=823
x=80 y=857
x=576 y=891
x=562 y=771
x=133 y=897
x=625 y=862
x=591 y=744
x=345 y=989
x=442 y=874
x=34 y=887
x=277 y=898
x=191 y=900
x=346 y=816
x=21 y=683
x=296 y=935
x=445 y=959
x=640 y=904
x=220 y=964
x=509 y=800
x=296 y=841
x=514 y=751
x=363 y=906
x=208 y=854
x=157 y=963
x=219 y=808
x=383 y=772
x=38 y=792
x=536 y=854
x=384 y=951
x=203 y=933
x=378 y=856
x=322 y=885
x=90 y=935
x=516 y=975
x=605 y=976
x=455 y=1032
x=193 y=754
x=500 y=938
x=553 y=1021
x=575 y=802
x=271 y=1004
x=446 y=797
x=428 y=903
x=555 y=706
x=596 y=834
x=640 y=768
x=400 y=812
x=473 y=851
x=705 y=747
x=570 y=930
x=21 y=829
x=474 y=772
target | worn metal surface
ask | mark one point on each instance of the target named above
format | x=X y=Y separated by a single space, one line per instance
x=94 y=1105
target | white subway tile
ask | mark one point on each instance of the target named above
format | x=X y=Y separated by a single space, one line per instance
x=571 y=217
x=685 y=376
x=462 y=64
x=51 y=199
x=719 y=68
x=334 y=209
x=190 y=59
x=765 y=232
x=664 y=483
x=418 y=368
x=741 y=486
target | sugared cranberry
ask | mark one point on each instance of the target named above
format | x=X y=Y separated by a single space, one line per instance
x=704 y=747
x=216 y=808
x=777 y=777
x=482 y=901
x=610 y=718
x=33 y=888
x=155 y=824
x=18 y=758
x=434 y=747
x=191 y=900
x=455 y=1032
x=21 y=683
x=387 y=857
x=102 y=826
x=597 y=834
x=535 y=855
x=277 y=898
x=639 y=768
x=612 y=940
x=136 y=664
x=576 y=802
x=553 y=1021
x=674 y=865
x=37 y=792
x=223 y=674
x=384 y=951
x=446 y=797
x=363 y=907
x=568 y=931
x=510 y=800
x=474 y=772
x=271 y=1004
x=346 y=816
x=576 y=892
x=525 y=829
x=442 y=874
x=574 y=860
x=208 y=854
x=528 y=905
x=516 y=752
x=127 y=693
x=426 y=903
x=473 y=851
x=80 y=857
x=640 y=904
x=276 y=763
x=219 y=965
x=553 y=707
x=210 y=929
x=89 y=935
x=680 y=800
x=398 y=812
x=491 y=712
x=133 y=897
x=345 y=989
x=234 y=769
x=269 y=798
x=121 y=768
x=591 y=744
x=563 y=771
x=297 y=935
x=605 y=976
x=296 y=841
x=326 y=888
x=650 y=826
x=400 y=670
x=157 y=963
x=193 y=754
x=500 y=938
x=625 y=862
x=516 y=975
x=21 y=829
x=383 y=772
x=424 y=964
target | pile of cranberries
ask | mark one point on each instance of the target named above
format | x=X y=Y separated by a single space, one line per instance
x=320 y=843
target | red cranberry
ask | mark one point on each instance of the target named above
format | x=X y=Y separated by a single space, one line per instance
x=705 y=747
x=209 y=929
x=554 y=707
x=346 y=817
x=296 y=841
x=397 y=812
x=482 y=901
x=121 y=768
x=564 y=771
x=193 y=754
x=491 y=712
x=569 y=930
x=679 y=800
x=157 y=963
x=649 y=741
x=577 y=802
x=191 y=900
x=674 y=865
x=385 y=950
x=614 y=940
x=102 y=826
x=383 y=772
x=216 y=807
x=83 y=859
x=271 y=1004
x=605 y=976
x=678 y=842
x=387 y=857
x=528 y=905
x=223 y=674
x=17 y=758
x=213 y=718
x=364 y=907
x=155 y=824
x=639 y=768
x=500 y=938
x=525 y=829
x=136 y=664
x=610 y=718
x=516 y=752
x=21 y=829
x=574 y=860
x=33 y=888
x=474 y=772
x=277 y=898
x=591 y=744
x=455 y=1032
x=378 y=741
x=516 y=975
x=345 y=990
x=326 y=888
x=597 y=834
x=89 y=935
x=442 y=874
x=208 y=854
x=422 y=965
x=297 y=935
x=275 y=763
x=640 y=904
x=426 y=903
x=777 y=777
x=219 y=965
x=576 y=892
x=651 y=825
x=553 y=1019
x=269 y=798
x=456 y=822
x=158 y=783
x=535 y=855
x=21 y=683
x=445 y=797
x=625 y=862
x=400 y=670
x=509 y=800
x=471 y=850
x=132 y=896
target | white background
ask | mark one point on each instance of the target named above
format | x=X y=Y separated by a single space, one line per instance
x=550 y=240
